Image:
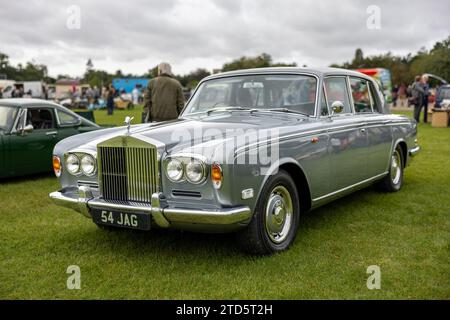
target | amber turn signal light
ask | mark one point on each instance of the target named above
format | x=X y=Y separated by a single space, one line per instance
x=216 y=175
x=57 y=165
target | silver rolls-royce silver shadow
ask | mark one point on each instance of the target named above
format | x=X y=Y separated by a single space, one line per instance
x=251 y=151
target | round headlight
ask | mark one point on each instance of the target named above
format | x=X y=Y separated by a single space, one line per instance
x=73 y=164
x=195 y=171
x=174 y=170
x=88 y=165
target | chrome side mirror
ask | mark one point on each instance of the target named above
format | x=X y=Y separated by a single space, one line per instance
x=27 y=129
x=337 y=107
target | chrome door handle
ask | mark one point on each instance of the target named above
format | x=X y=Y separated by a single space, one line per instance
x=363 y=129
x=52 y=133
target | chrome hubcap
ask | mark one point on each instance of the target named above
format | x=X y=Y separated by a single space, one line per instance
x=396 y=168
x=279 y=211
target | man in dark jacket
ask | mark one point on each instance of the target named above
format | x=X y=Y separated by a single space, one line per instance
x=163 y=99
x=417 y=94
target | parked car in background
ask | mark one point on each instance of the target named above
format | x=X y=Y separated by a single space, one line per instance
x=442 y=97
x=326 y=133
x=29 y=130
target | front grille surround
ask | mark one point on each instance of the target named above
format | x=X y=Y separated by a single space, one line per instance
x=128 y=170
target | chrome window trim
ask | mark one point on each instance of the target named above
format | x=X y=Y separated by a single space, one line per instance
x=323 y=92
x=16 y=120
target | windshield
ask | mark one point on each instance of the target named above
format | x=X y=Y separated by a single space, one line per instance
x=7 y=115
x=444 y=94
x=296 y=93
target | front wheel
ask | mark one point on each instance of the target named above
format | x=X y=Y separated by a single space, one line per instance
x=394 y=179
x=276 y=218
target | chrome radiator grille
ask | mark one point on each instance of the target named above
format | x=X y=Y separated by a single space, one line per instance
x=128 y=173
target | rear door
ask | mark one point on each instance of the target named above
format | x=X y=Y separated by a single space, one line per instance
x=68 y=124
x=379 y=132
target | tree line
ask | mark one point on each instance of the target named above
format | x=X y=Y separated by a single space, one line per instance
x=403 y=69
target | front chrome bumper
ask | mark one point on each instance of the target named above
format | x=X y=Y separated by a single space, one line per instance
x=82 y=200
x=414 y=151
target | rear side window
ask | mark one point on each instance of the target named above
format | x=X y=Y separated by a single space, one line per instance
x=361 y=95
x=66 y=118
x=336 y=90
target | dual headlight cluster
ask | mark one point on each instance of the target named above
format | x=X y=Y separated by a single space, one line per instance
x=77 y=164
x=182 y=168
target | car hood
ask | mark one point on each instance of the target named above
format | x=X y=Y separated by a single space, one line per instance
x=194 y=135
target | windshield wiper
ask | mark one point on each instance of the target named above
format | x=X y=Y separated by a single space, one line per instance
x=286 y=110
x=230 y=108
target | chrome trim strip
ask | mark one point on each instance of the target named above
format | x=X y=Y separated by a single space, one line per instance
x=350 y=187
x=308 y=133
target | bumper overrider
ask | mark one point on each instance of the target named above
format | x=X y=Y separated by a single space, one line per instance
x=414 y=151
x=82 y=200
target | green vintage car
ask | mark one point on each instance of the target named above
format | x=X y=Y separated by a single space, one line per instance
x=29 y=130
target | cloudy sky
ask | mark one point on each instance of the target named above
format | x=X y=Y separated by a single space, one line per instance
x=135 y=35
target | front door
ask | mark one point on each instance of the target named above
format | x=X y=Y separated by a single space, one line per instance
x=32 y=152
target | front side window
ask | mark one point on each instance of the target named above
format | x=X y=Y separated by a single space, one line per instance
x=40 y=119
x=293 y=92
x=361 y=95
x=336 y=90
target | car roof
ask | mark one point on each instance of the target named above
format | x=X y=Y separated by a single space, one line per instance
x=27 y=102
x=319 y=72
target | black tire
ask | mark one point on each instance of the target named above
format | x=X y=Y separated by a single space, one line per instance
x=394 y=179
x=256 y=237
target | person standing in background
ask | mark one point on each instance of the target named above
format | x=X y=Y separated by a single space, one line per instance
x=135 y=95
x=426 y=89
x=402 y=96
x=96 y=95
x=394 y=95
x=163 y=99
x=110 y=93
x=417 y=93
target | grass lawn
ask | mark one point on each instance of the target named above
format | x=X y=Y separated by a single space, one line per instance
x=406 y=233
x=118 y=117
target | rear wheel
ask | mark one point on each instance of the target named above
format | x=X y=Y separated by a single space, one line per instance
x=275 y=222
x=394 y=179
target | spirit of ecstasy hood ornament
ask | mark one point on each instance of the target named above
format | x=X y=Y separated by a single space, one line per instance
x=127 y=121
